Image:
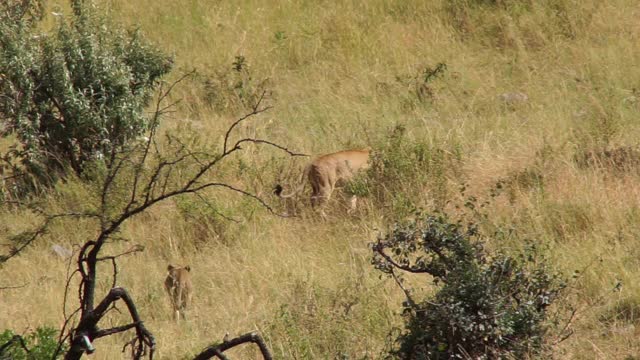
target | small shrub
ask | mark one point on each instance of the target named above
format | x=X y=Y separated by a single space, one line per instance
x=206 y=219
x=565 y=219
x=625 y=310
x=487 y=305
x=415 y=89
x=529 y=178
x=280 y=36
x=403 y=172
x=41 y=343
x=231 y=91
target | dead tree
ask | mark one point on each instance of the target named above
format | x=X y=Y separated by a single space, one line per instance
x=152 y=175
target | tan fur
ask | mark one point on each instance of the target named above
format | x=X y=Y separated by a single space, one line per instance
x=179 y=288
x=329 y=171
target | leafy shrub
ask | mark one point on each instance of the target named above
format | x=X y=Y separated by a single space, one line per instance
x=205 y=219
x=231 y=91
x=526 y=179
x=42 y=344
x=624 y=311
x=74 y=94
x=565 y=219
x=403 y=171
x=487 y=305
x=415 y=89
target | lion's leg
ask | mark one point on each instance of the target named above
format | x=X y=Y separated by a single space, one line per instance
x=186 y=300
x=321 y=193
x=353 y=201
x=320 y=198
x=178 y=303
x=325 y=197
x=172 y=298
x=315 y=194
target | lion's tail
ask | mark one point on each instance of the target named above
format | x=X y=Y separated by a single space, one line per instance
x=301 y=183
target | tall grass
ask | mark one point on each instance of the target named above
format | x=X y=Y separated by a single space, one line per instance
x=345 y=74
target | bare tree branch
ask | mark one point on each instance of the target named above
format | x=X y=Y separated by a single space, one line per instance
x=219 y=354
x=132 y=250
x=16 y=339
x=114 y=330
x=212 y=208
x=379 y=248
x=26 y=238
x=255 y=111
x=406 y=291
x=217 y=350
x=261 y=141
x=566 y=331
x=13 y=287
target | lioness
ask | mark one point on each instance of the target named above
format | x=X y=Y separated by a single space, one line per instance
x=178 y=285
x=328 y=171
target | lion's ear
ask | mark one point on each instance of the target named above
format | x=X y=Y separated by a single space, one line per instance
x=188 y=268
x=170 y=268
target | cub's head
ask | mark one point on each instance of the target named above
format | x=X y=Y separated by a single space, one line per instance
x=176 y=269
x=178 y=278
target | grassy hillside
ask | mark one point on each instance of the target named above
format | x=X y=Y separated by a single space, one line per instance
x=344 y=74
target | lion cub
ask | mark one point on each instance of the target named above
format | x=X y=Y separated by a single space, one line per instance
x=178 y=285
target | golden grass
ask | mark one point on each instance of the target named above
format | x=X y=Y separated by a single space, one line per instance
x=342 y=74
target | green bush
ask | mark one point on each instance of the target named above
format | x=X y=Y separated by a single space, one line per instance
x=486 y=306
x=73 y=94
x=205 y=219
x=41 y=343
x=405 y=172
x=231 y=91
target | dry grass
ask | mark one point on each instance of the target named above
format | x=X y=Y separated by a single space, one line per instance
x=342 y=75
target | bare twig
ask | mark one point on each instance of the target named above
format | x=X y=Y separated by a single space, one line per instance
x=212 y=208
x=114 y=264
x=134 y=249
x=13 y=287
x=26 y=238
x=255 y=111
x=64 y=336
x=406 y=291
x=261 y=141
x=566 y=331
